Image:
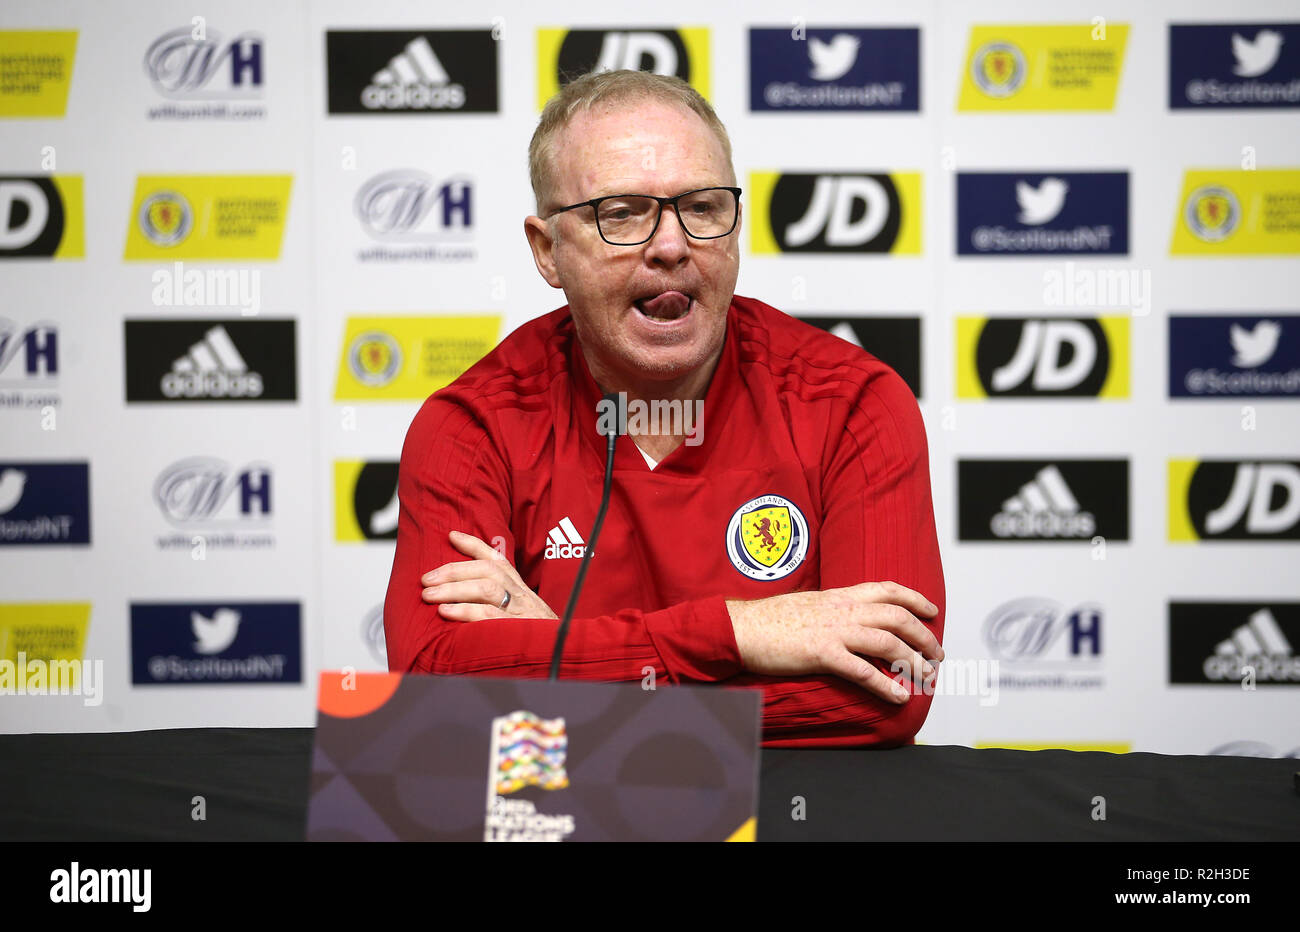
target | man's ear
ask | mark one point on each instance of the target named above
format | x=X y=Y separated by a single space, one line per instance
x=542 y=244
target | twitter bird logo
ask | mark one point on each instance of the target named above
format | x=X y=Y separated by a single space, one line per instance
x=1041 y=204
x=217 y=633
x=11 y=489
x=1254 y=347
x=1255 y=58
x=833 y=59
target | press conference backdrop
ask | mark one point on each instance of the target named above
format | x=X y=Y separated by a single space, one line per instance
x=242 y=242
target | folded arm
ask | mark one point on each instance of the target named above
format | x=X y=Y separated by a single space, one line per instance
x=830 y=661
x=453 y=479
x=877 y=524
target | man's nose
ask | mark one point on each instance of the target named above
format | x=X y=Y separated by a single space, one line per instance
x=670 y=246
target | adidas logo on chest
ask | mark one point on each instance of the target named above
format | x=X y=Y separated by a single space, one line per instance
x=563 y=542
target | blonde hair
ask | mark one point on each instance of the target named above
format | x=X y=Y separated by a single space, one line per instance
x=609 y=87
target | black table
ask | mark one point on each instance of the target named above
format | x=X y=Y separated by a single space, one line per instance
x=140 y=786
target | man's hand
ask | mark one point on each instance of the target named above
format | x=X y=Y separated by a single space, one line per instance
x=474 y=589
x=832 y=631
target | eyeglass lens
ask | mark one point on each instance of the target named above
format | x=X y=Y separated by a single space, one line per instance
x=631 y=219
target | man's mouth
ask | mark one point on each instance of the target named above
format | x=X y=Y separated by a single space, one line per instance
x=669 y=305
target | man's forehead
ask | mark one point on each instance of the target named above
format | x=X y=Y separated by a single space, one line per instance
x=602 y=151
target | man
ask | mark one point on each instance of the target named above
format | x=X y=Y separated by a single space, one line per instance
x=785 y=541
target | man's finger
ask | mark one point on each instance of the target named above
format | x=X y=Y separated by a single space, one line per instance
x=468 y=611
x=901 y=623
x=862 y=673
x=466 y=569
x=469 y=569
x=471 y=546
x=895 y=594
x=482 y=591
x=881 y=645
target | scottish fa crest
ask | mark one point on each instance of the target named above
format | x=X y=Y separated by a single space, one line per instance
x=998 y=69
x=1212 y=213
x=166 y=218
x=767 y=538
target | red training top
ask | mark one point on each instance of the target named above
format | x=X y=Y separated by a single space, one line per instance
x=809 y=471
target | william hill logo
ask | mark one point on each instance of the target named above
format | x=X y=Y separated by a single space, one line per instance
x=1041 y=643
x=41 y=217
x=566 y=54
x=1025 y=357
x=409 y=214
x=212 y=504
x=1027 y=68
x=1234 y=500
x=200 y=62
x=835 y=212
x=204 y=74
x=1061 y=213
x=29 y=360
x=1234 y=65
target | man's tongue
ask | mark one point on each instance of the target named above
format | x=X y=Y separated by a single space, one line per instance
x=668 y=306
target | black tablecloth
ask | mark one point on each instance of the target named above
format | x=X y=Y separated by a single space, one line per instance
x=141 y=786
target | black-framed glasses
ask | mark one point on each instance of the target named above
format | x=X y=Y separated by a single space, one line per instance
x=632 y=219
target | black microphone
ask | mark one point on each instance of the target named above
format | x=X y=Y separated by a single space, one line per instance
x=610 y=399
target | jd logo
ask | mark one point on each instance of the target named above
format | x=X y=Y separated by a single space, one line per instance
x=31 y=217
x=1042 y=357
x=656 y=51
x=835 y=213
x=634 y=51
x=1246 y=500
x=375 y=501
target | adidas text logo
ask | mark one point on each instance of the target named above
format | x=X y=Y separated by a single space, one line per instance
x=213 y=368
x=564 y=542
x=1259 y=644
x=413 y=80
x=1044 y=507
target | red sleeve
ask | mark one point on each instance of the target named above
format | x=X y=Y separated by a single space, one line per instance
x=877 y=525
x=453 y=478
